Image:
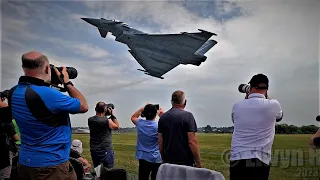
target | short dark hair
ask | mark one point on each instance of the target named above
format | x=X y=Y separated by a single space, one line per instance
x=150 y=111
x=259 y=81
x=34 y=63
x=100 y=107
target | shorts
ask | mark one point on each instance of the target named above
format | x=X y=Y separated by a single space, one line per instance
x=63 y=171
x=105 y=157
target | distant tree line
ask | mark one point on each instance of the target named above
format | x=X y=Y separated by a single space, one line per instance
x=280 y=129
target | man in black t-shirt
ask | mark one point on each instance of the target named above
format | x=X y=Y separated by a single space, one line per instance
x=178 y=143
x=101 y=136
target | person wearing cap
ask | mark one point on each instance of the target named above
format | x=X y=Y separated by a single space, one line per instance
x=147 y=150
x=254 y=121
x=76 y=151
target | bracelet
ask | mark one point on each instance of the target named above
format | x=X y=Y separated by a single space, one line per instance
x=112 y=117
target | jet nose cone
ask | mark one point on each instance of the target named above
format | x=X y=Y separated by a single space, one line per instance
x=95 y=22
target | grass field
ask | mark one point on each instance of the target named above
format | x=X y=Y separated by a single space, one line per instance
x=292 y=159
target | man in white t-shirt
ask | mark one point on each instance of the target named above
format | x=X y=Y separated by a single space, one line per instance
x=254 y=121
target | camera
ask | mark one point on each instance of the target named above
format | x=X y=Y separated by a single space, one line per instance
x=107 y=106
x=72 y=72
x=318 y=118
x=244 y=88
x=4 y=94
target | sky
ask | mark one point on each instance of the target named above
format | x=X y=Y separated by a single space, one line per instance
x=276 y=38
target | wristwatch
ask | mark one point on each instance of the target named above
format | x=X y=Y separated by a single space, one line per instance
x=65 y=84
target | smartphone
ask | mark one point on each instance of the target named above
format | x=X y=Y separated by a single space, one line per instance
x=157 y=106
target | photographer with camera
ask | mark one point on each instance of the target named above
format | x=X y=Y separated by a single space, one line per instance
x=42 y=115
x=101 y=127
x=147 y=150
x=254 y=121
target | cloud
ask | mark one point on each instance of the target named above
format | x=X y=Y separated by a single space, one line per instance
x=280 y=39
x=86 y=49
x=281 y=44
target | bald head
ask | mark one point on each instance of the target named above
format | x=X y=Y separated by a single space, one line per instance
x=178 y=98
x=100 y=107
x=34 y=60
x=36 y=65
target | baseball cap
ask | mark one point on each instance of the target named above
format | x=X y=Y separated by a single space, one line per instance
x=259 y=81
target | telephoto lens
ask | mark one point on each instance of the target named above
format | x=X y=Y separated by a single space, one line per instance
x=72 y=72
x=244 y=88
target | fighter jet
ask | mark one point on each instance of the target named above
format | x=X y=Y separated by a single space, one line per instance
x=158 y=53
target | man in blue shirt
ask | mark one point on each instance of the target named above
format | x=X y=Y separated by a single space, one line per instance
x=147 y=143
x=42 y=115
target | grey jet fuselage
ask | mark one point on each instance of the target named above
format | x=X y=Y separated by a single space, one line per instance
x=165 y=50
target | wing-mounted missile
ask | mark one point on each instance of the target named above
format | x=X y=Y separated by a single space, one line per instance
x=103 y=33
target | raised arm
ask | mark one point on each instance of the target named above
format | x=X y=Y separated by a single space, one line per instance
x=73 y=92
x=136 y=115
x=113 y=121
x=160 y=112
x=277 y=110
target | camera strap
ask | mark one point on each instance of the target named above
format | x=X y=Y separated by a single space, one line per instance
x=61 y=89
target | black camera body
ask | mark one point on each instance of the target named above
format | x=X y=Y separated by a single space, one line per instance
x=72 y=72
x=108 y=106
x=4 y=94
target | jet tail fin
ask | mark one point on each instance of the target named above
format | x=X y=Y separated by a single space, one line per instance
x=206 y=47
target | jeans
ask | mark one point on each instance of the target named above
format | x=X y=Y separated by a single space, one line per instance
x=106 y=157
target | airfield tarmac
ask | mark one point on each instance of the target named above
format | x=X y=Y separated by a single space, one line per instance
x=292 y=158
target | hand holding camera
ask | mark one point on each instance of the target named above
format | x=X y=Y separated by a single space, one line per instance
x=109 y=109
x=64 y=73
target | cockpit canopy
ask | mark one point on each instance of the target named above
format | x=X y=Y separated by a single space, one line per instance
x=125 y=25
x=115 y=20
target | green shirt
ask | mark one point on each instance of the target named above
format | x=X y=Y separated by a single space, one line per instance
x=17 y=130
